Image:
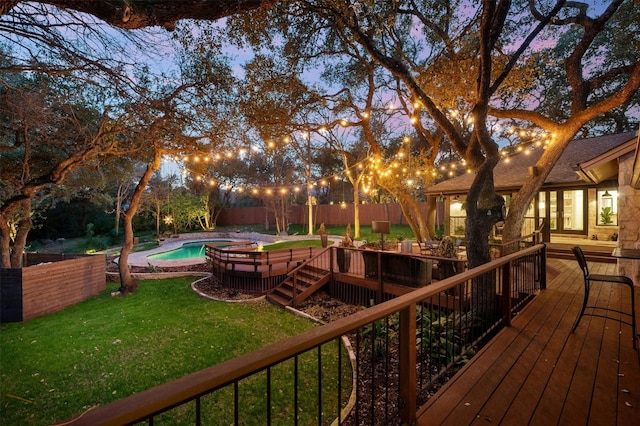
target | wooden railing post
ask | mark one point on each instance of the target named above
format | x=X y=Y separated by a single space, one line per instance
x=380 y=281
x=506 y=293
x=407 y=365
x=332 y=256
x=543 y=267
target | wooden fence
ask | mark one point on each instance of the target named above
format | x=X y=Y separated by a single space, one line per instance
x=50 y=285
x=330 y=214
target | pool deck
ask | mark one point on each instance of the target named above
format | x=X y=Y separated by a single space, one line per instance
x=141 y=258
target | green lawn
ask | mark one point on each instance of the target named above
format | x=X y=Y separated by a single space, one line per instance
x=403 y=231
x=106 y=348
x=293 y=244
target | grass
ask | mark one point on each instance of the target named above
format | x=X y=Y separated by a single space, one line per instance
x=403 y=231
x=293 y=244
x=105 y=348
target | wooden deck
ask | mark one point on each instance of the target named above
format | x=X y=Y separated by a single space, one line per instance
x=537 y=373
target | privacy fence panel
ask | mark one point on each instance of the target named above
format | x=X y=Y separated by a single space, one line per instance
x=50 y=286
x=330 y=214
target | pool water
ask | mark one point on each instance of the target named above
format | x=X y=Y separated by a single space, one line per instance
x=193 y=250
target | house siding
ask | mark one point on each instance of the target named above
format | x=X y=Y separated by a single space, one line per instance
x=628 y=217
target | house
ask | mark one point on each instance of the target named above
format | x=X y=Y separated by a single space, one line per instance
x=589 y=194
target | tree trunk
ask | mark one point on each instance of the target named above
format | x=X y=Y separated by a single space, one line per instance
x=119 y=197
x=410 y=210
x=11 y=252
x=5 y=242
x=22 y=231
x=277 y=220
x=216 y=214
x=422 y=231
x=431 y=217
x=513 y=224
x=483 y=206
x=127 y=283
x=158 y=213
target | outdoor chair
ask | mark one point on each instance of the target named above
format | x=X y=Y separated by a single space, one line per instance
x=614 y=279
x=428 y=248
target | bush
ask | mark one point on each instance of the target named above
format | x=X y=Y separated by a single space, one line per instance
x=97 y=244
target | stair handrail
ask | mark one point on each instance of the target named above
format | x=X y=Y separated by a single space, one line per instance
x=320 y=253
x=293 y=274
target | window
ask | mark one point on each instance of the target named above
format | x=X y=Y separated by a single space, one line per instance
x=607 y=207
x=457 y=214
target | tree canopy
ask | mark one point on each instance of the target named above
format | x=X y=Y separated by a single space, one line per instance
x=473 y=71
x=421 y=83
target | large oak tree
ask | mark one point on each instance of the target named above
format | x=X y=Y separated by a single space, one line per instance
x=481 y=44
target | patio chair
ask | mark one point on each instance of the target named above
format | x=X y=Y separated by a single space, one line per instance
x=427 y=248
x=614 y=279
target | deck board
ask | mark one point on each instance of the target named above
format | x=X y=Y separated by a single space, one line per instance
x=536 y=372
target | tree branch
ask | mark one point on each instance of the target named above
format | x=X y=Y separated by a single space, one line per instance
x=139 y=14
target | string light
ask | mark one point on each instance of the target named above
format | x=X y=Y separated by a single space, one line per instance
x=530 y=140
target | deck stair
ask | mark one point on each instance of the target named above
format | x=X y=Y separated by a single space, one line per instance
x=593 y=253
x=302 y=282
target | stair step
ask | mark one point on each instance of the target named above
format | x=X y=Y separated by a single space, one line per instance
x=311 y=277
x=304 y=276
x=278 y=300
x=307 y=278
x=304 y=282
x=313 y=270
x=598 y=256
x=301 y=285
x=284 y=292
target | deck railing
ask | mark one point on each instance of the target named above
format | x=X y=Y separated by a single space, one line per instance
x=375 y=276
x=501 y=248
x=399 y=351
x=255 y=271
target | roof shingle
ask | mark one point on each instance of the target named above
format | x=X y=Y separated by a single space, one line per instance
x=512 y=174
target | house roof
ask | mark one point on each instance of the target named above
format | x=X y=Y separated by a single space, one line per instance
x=583 y=160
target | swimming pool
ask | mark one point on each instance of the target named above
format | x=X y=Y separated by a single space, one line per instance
x=194 y=250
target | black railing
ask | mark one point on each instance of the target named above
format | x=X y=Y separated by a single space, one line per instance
x=505 y=247
x=397 y=353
